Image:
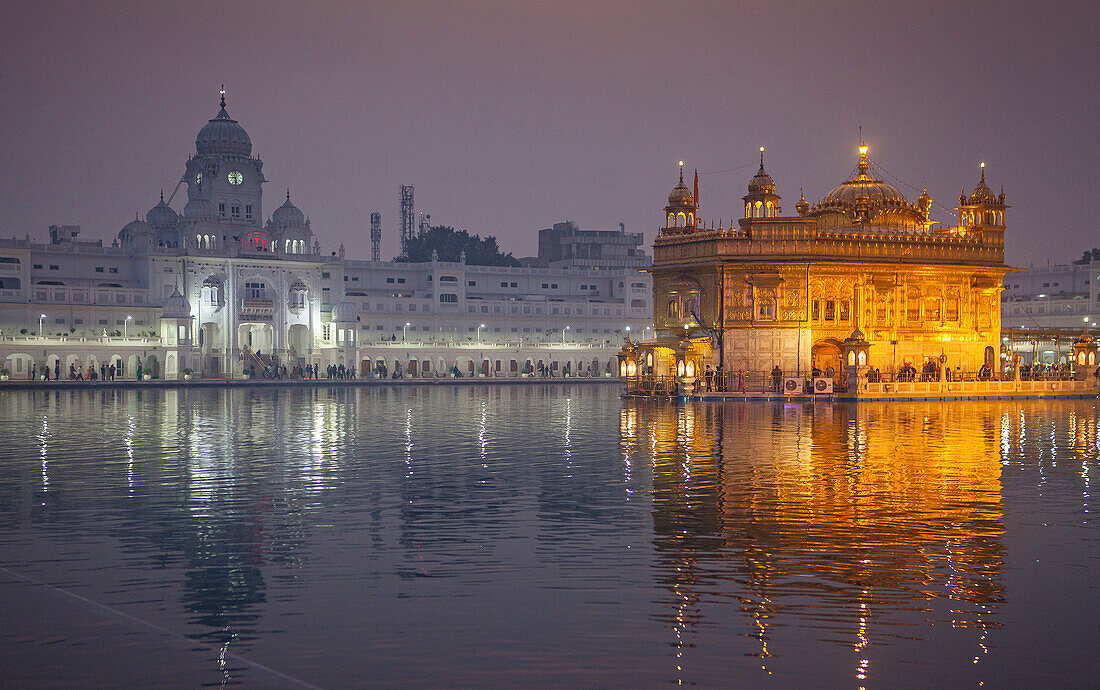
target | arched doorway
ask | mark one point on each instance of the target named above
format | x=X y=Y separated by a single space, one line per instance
x=152 y=367
x=364 y=368
x=990 y=357
x=826 y=354
x=412 y=368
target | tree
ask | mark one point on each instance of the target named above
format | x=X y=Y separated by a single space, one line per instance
x=448 y=244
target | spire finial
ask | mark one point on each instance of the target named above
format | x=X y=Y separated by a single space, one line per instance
x=864 y=165
x=162 y=195
x=983 y=171
x=681 y=172
x=288 y=193
x=801 y=194
x=761 y=157
x=223 y=95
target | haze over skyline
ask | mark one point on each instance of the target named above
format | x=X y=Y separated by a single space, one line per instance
x=510 y=117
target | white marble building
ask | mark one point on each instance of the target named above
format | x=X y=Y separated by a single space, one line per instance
x=216 y=290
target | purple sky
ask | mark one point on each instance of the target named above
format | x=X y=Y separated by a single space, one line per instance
x=508 y=117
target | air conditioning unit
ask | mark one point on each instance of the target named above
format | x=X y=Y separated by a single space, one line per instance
x=792 y=386
x=823 y=386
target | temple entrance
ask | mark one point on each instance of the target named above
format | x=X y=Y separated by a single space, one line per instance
x=825 y=355
x=256 y=336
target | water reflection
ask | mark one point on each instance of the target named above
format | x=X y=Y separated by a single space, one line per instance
x=835 y=518
x=409 y=535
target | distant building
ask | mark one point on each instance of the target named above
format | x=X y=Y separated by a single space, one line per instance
x=217 y=290
x=1062 y=296
x=567 y=246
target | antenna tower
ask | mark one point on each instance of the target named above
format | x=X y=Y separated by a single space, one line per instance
x=375 y=235
x=406 y=218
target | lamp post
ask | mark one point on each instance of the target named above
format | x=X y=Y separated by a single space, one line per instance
x=407 y=324
x=479 y=327
x=41 y=320
x=125 y=330
x=563 y=334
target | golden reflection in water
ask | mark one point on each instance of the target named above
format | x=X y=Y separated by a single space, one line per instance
x=832 y=517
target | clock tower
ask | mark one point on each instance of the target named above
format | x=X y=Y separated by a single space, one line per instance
x=225 y=177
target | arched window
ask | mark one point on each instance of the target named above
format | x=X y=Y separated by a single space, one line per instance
x=748 y=209
x=670 y=221
x=691 y=219
x=681 y=220
x=768 y=210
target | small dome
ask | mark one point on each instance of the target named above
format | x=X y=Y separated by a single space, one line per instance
x=344 y=312
x=856 y=336
x=288 y=214
x=135 y=228
x=761 y=182
x=199 y=207
x=982 y=194
x=176 y=307
x=223 y=136
x=680 y=194
x=161 y=216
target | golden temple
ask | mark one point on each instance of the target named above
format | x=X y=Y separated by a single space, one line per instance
x=862 y=275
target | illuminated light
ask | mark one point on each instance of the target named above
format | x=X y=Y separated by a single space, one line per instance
x=681 y=164
x=863 y=150
x=761 y=149
x=983 y=164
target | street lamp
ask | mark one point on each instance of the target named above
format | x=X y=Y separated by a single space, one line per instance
x=41 y=319
x=407 y=324
x=125 y=330
x=480 y=326
x=563 y=334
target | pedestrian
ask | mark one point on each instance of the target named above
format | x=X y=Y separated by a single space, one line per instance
x=777 y=377
x=57 y=369
x=139 y=371
x=709 y=376
x=741 y=380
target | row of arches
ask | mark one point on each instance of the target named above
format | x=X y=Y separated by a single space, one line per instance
x=22 y=365
x=681 y=220
x=439 y=367
x=975 y=218
x=258 y=241
x=761 y=209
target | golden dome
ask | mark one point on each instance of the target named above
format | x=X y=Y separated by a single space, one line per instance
x=982 y=194
x=864 y=200
x=761 y=182
x=680 y=194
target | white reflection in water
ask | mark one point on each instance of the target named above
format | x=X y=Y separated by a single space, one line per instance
x=128 y=441
x=42 y=448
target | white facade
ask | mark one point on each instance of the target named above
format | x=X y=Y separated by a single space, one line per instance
x=1059 y=296
x=252 y=287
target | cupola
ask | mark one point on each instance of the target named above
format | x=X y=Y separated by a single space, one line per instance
x=761 y=201
x=681 y=212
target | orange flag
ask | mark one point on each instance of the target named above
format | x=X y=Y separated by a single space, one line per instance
x=696 y=189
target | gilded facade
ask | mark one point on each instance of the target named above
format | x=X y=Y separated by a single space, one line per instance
x=863 y=264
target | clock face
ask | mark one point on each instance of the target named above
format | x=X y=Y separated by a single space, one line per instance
x=235 y=177
x=198 y=178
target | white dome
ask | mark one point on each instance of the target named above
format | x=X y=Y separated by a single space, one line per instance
x=161 y=216
x=223 y=136
x=176 y=307
x=344 y=312
x=288 y=214
x=134 y=229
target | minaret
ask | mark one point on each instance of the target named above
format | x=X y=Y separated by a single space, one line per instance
x=680 y=214
x=761 y=201
x=983 y=213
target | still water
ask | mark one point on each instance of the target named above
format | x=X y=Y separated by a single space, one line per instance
x=546 y=535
